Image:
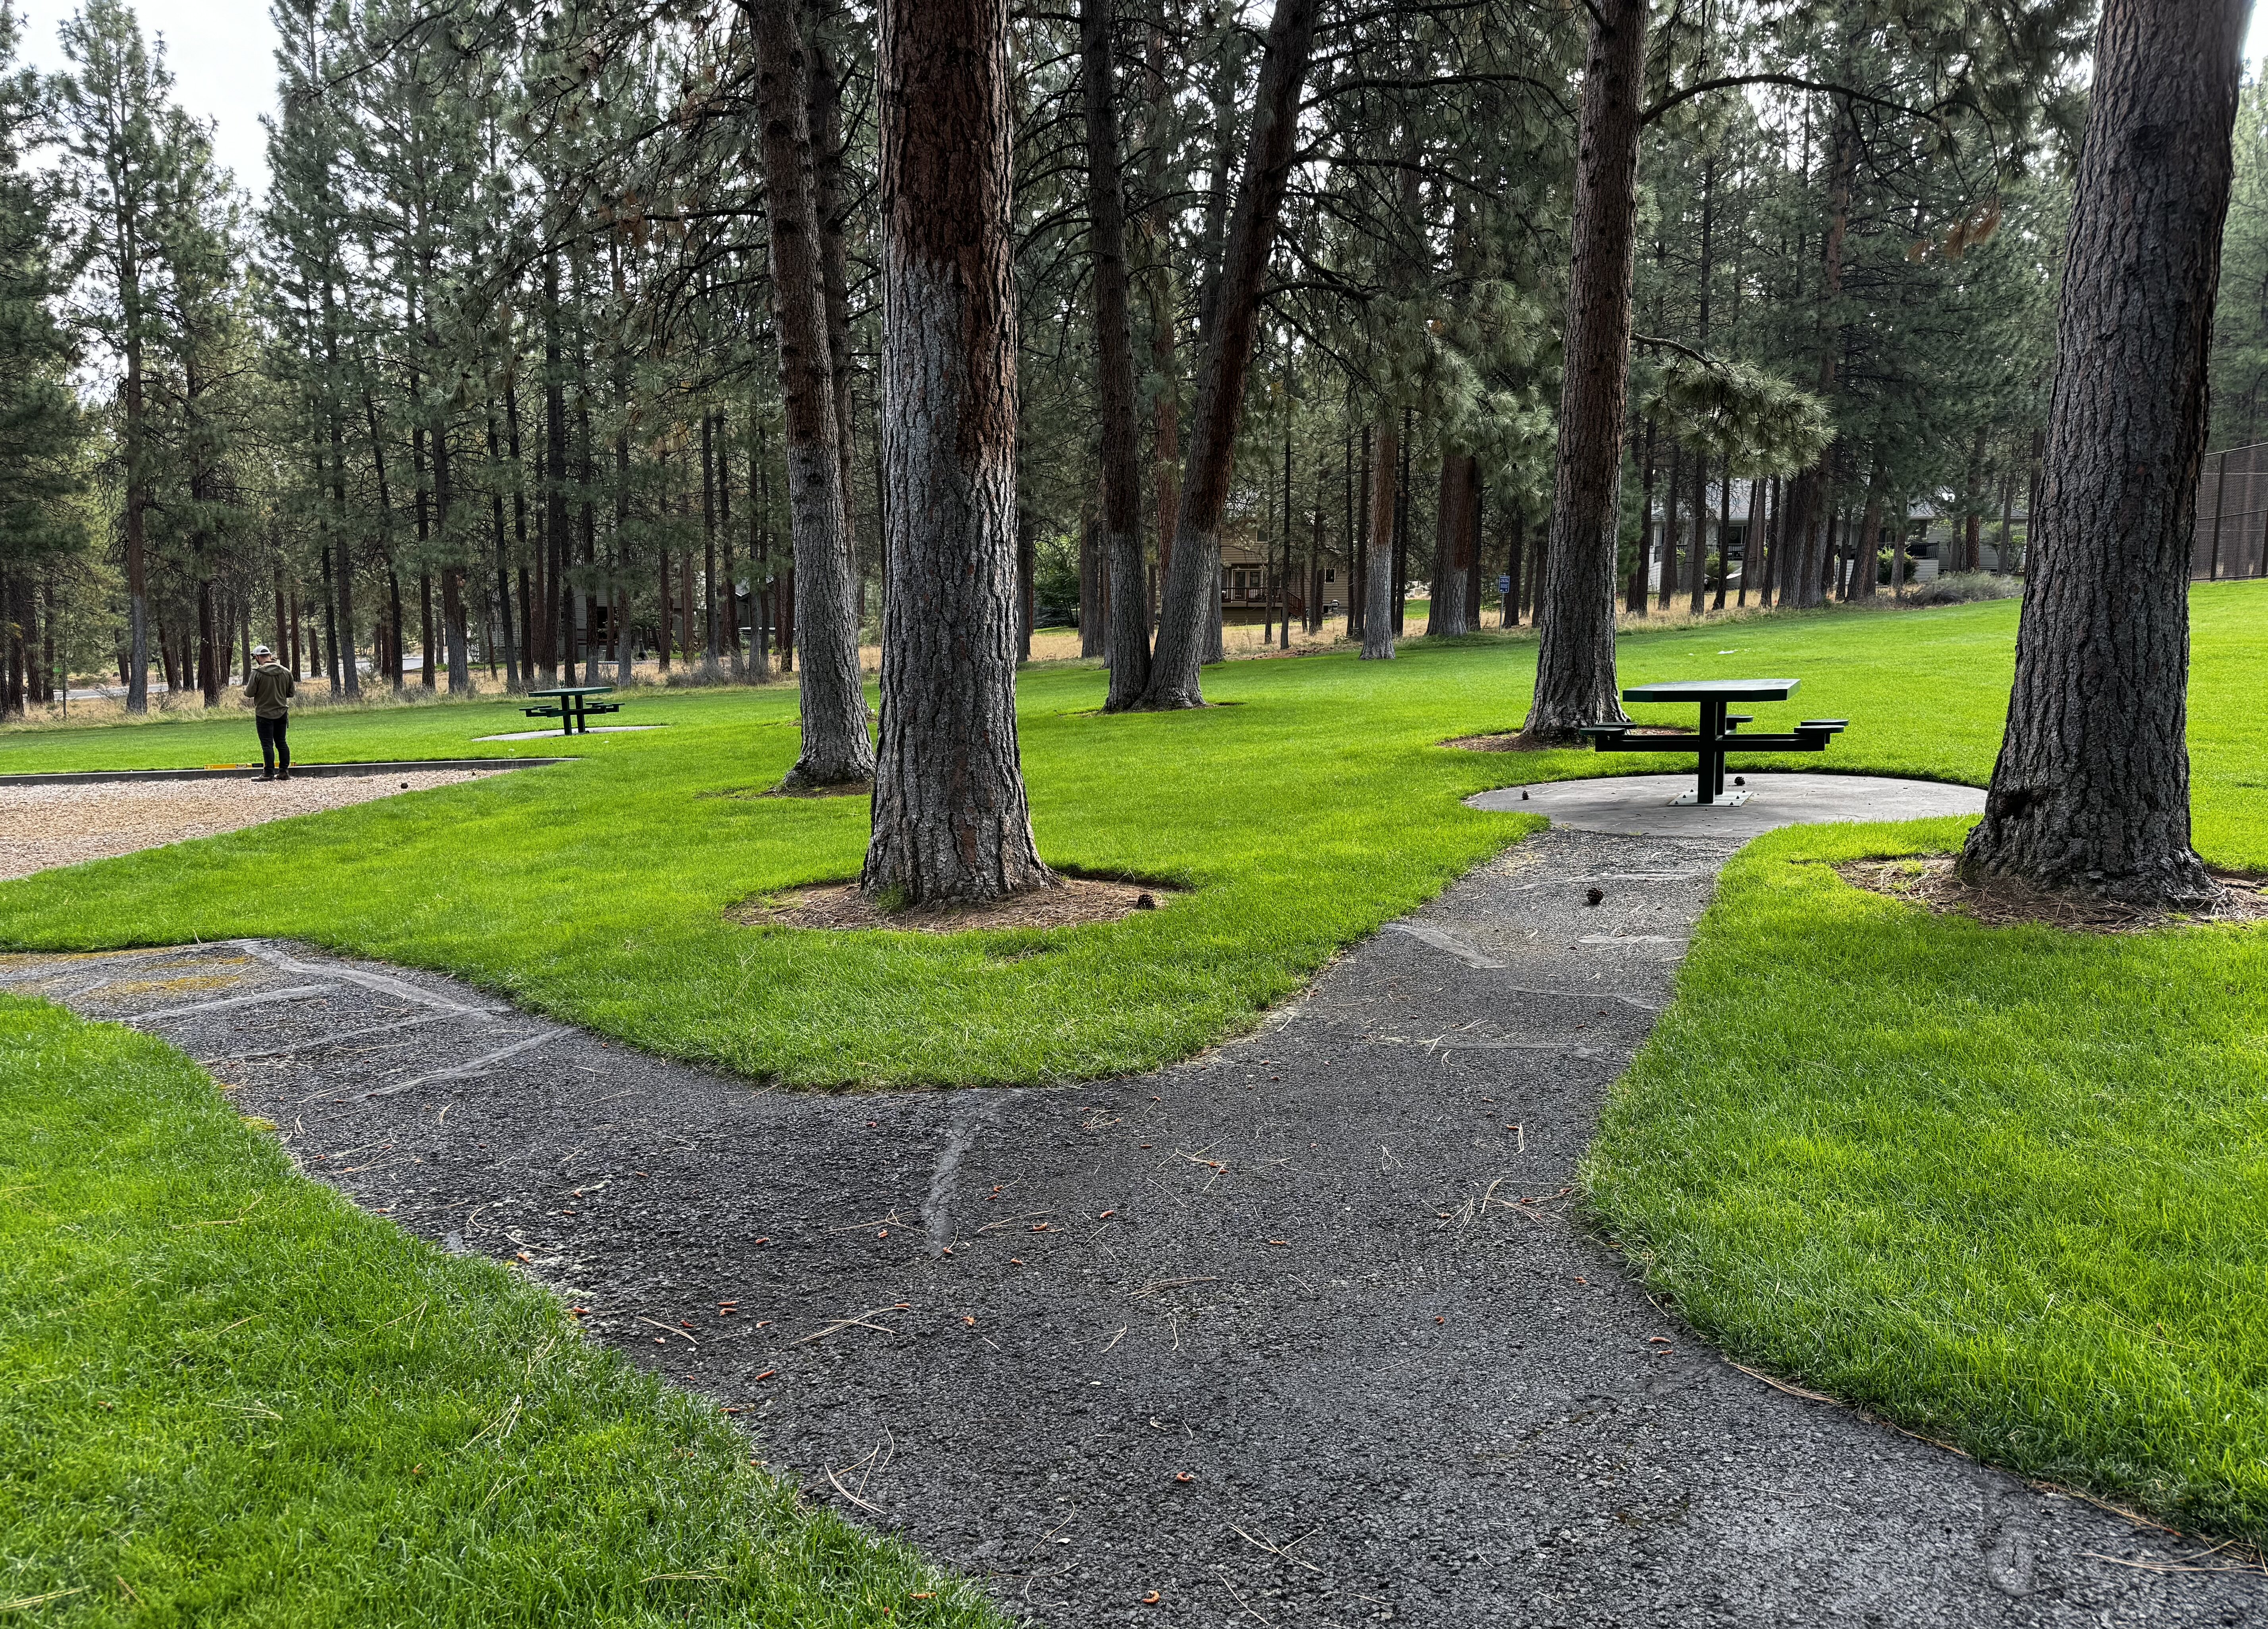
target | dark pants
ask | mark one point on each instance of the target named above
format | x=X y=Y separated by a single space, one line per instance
x=275 y=751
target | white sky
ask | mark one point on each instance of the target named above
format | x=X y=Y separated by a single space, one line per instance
x=223 y=54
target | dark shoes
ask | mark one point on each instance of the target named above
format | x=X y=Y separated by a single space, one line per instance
x=270 y=775
x=283 y=774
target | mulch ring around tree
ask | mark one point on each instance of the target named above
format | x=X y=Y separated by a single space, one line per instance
x=1072 y=902
x=1513 y=740
x=1931 y=882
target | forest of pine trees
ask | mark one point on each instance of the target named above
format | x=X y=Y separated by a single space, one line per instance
x=554 y=341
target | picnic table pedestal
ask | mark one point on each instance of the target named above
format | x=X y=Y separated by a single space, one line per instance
x=575 y=706
x=1718 y=732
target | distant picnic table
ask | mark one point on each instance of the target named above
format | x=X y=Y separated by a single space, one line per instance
x=1718 y=732
x=575 y=706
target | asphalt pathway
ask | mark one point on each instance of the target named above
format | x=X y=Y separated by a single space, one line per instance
x=1298 y=1332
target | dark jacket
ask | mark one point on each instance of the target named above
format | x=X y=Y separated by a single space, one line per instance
x=270 y=690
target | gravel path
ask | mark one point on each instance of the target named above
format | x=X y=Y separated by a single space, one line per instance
x=44 y=826
x=1298 y=1332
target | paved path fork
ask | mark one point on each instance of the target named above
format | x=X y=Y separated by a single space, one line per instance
x=1298 y=1333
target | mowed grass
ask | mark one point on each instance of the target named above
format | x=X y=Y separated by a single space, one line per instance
x=2007 y=1186
x=1294 y=820
x=229 y=1397
x=2004 y=1185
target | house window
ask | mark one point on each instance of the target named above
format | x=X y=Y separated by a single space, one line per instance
x=1330 y=575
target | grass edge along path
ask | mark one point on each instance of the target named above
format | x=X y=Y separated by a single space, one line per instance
x=1999 y=1185
x=227 y=1397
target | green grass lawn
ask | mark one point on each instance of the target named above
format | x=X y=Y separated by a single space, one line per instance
x=231 y=1398
x=1316 y=806
x=2001 y=1184
x=2007 y=1186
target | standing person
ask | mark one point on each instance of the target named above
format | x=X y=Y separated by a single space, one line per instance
x=270 y=688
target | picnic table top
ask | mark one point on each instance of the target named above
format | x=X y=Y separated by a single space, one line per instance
x=574 y=690
x=1712 y=690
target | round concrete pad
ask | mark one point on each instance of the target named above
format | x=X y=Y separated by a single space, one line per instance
x=1643 y=806
x=596 y=729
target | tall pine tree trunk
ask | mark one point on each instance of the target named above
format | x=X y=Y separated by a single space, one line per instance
x=1127 y=642
x=507 y=642
x=1190 y=615
x=1452 y=544
x=951 y=824
x=710 y=653
x=2091 y=794
x=1724 y=535
x=455 y=633
x=555 y=648
x=831 y=205
x=1575 y=607
x=1378 y=563
x=1699 y=572
x=138 y=502
x=1866 y=566
x=1812 y=498
x=1164 y=360
x=836 y=750
x=1696 y=563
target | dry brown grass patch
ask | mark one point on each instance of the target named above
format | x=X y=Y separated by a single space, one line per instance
x=1931 y=882
x=1071 y=903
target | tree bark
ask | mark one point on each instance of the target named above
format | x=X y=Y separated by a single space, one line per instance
x=1699 y=571
x=1634 y=593
x=1127 y=639
x=1358 y=551
x=709 y=631
x=1452 y=545
x=1865 y=565
x=951 y=822
x=835 y=748
x=2091 y=792
x=1669 y=495
x=1027 y=572
x=1724 y=534
x=832 y=207
x=1472 y=545
x=1575 y=659
x=1378 y=545
x=1696 y=563
x=557 y=652
x=1402 y=529
x=1192 y=588
x=760 y=555
x=1164 y=359
x=1090 y=602
x=1811 y=499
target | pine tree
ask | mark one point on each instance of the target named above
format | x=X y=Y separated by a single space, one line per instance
x=123 y=144
x=41 y=427
x=2090 y=794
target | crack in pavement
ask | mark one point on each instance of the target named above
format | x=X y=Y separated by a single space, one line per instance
x=1296 y=1331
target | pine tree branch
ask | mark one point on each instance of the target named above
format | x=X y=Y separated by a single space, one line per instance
x=1701 y=87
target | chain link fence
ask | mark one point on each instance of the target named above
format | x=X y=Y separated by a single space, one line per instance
x=2232 y=515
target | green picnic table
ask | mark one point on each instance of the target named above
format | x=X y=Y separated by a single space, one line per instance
x=1718 y=732
x=574 y=707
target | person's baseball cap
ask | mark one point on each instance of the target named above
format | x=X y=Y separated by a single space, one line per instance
x=262 y=650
